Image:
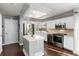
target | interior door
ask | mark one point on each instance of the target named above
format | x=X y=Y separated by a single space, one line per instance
x=11 y=31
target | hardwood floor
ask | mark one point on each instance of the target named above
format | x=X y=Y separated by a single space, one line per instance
x=12 y=50
x=53 y=50
x=49 y=50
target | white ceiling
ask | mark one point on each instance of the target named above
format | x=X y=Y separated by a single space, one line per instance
x=53 y=9
x=58 y=8
x=11 y=9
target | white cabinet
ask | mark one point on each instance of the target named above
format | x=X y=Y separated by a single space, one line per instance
x=68 y=20
x=33 y=46
x=68 y=42
x=42 y=33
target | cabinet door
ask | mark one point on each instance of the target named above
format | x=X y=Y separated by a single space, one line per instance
x=50 y=38
x=68 y=42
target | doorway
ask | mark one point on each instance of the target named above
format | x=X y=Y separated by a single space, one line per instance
x=10 y=31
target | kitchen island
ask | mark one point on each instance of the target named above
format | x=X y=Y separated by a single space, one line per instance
x=33 y=46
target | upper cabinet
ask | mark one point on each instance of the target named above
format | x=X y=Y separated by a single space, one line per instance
x=69 y=21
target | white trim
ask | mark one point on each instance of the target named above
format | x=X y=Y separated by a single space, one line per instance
x=20 y=43
x=9 y=43
x=25 y=53
x=1 y=50
x=77 y=53
x=39 y=54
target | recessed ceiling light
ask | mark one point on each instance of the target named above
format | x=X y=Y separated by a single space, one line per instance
x=36 y=14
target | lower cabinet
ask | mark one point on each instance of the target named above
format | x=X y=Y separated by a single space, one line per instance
x=68 y=42
x=50 y=38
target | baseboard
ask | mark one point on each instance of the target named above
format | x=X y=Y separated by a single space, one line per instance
x=4 y=44
x=76 y=53
x=8 y=44
x=20 y=43
x=39 y=53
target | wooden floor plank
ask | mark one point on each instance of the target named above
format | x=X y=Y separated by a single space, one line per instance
x=12 y=50
x=49 y=50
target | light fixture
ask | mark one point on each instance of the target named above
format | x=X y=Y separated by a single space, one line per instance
x=36 y=14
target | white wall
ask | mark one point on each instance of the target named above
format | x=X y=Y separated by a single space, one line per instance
x=68 y=20
x=0 y=33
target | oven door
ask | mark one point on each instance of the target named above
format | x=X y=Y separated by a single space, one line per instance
x=58 y=40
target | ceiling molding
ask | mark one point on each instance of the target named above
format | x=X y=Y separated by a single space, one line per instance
x=24 y=8
x=62 y=15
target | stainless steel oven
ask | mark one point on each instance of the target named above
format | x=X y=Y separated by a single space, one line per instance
x=58 y=40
